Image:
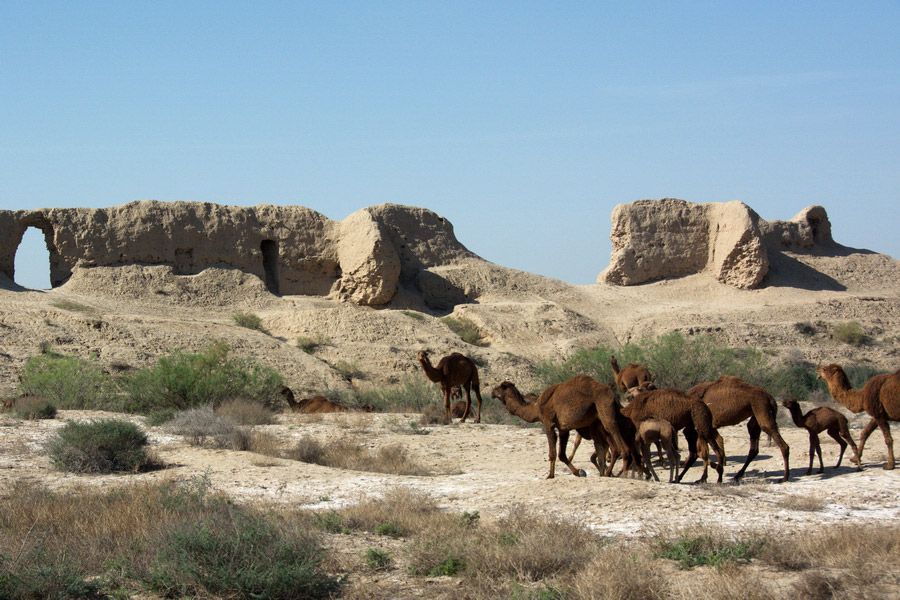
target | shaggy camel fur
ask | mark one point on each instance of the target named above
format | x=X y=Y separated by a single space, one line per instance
x=683 y=412
x=880 y=398
x=731 y=401
x=659 y=432
x=450 y=371
x=634 y=375
x=815 y=422
x=314 y=405
x=580 y=404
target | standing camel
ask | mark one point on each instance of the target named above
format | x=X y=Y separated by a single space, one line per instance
x=683 y=412
x=450 y=371
x=581 y=404
x=815 y=422
x=634 y=375
x=732 y=400
x=880 y=398
x=659 y=432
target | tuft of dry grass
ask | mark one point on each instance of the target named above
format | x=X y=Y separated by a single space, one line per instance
x=246 y=412
x=348 y=454
x=802 y=502
x=202 y=426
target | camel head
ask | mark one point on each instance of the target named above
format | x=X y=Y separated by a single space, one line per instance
x=637 y=390
x=790 y=403
x=826 y=371
x=500 y=392
x=422 y=356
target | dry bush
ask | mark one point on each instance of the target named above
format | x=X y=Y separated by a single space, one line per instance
x=201 y=426
x=32 y=408
x=246 y=412
x=802 y=502
x=348 y=454
x=409 y=511
x=620 y=572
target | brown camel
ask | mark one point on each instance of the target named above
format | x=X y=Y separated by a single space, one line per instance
x=9 y=403
x=659 y=432
x=316 y=404
x=880 y=398
x=452 y=370
x=580 y=404
x=815 y=422
x=633 y=375
x=732 y=400
x=682 y=412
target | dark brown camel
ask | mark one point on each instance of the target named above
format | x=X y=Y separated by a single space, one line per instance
x=450 y=371
x=732 y=400
x=880 y=398
x=683 y=412
x=580 y=404
x=633 y=375
x=815 y=422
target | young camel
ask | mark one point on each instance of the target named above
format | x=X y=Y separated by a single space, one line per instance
x=634 y=375
x=450 y=371
x=815 y=422
x=580 y=404
x=682 y=412
x=731 y=401
x=880 y=398
x=659 y=432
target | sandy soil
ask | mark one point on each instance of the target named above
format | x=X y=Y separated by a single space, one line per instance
x=493 y=468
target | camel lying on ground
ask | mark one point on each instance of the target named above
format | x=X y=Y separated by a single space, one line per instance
x=659 y=432
x=316 y=404
x=453 y=370
x=682 y=412
x=731 y=401
x=815 y=422
x=580 y=404
x=880 y=398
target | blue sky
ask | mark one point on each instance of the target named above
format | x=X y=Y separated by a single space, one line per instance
x=523 y=123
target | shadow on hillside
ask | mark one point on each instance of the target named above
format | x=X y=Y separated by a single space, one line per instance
x=788 y=271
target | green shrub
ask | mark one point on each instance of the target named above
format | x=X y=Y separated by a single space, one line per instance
x=377 y=560
x=33 y=408
x=184 y=380
x=68 y=382
x=701 y=550
x=105 y=446
x=40 y=574
x=468 y=331
x=412 y=394
x=235 y=554
x=414 y=315
x=850 y=333
x=249 y=321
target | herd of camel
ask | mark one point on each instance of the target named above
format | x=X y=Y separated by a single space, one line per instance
x=654 y=416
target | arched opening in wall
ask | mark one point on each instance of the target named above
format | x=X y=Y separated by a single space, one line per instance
x=269 y=250
x=32 y=264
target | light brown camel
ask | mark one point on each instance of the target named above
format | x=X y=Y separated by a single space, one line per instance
x=633 y=375
x=732 y=400
x=316 y=404
x=815 y=422
x=880 y=398
x=452 y=370
x=580 y=404
x=9 y=403
x=659 y=432
x=683 y=412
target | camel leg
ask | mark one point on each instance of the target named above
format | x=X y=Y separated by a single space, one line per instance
x=691 y=436
x=645 y=457
x=719 y=449
x=563 y=441
x=660 y=455
x=812 y=451
x=845 y=433
x=754 y=429
x=772 y=431
x=446 y=404
x=599 y=455
x=551 y=441
x=703 y=449
x=863 y=436
x=613 y=457
x=818 y=448
x=575 y=445
x=835 y=435
x=888 y=441
x=673 y=462
x=478 y=395
x=468 y=387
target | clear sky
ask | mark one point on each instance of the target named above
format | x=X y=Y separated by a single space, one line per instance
x=524 y=123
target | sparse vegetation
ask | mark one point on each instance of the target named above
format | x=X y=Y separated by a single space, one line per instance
x=202 y=426
x=346 y=454
x=34 y=407
x=348 y=369
x=805 y=328
x=851 y=333
x=705 y=549
x=414 y=315
x=311 y=344
x=245 y=412
x=68 y=382
x=183 y=380
x=73 y=306
x=104 y=446
x=249 y=321
x=467 y=331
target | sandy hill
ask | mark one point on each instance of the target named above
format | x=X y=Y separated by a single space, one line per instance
x=128 y=314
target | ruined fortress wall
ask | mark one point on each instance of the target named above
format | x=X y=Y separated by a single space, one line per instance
x=295 y=250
